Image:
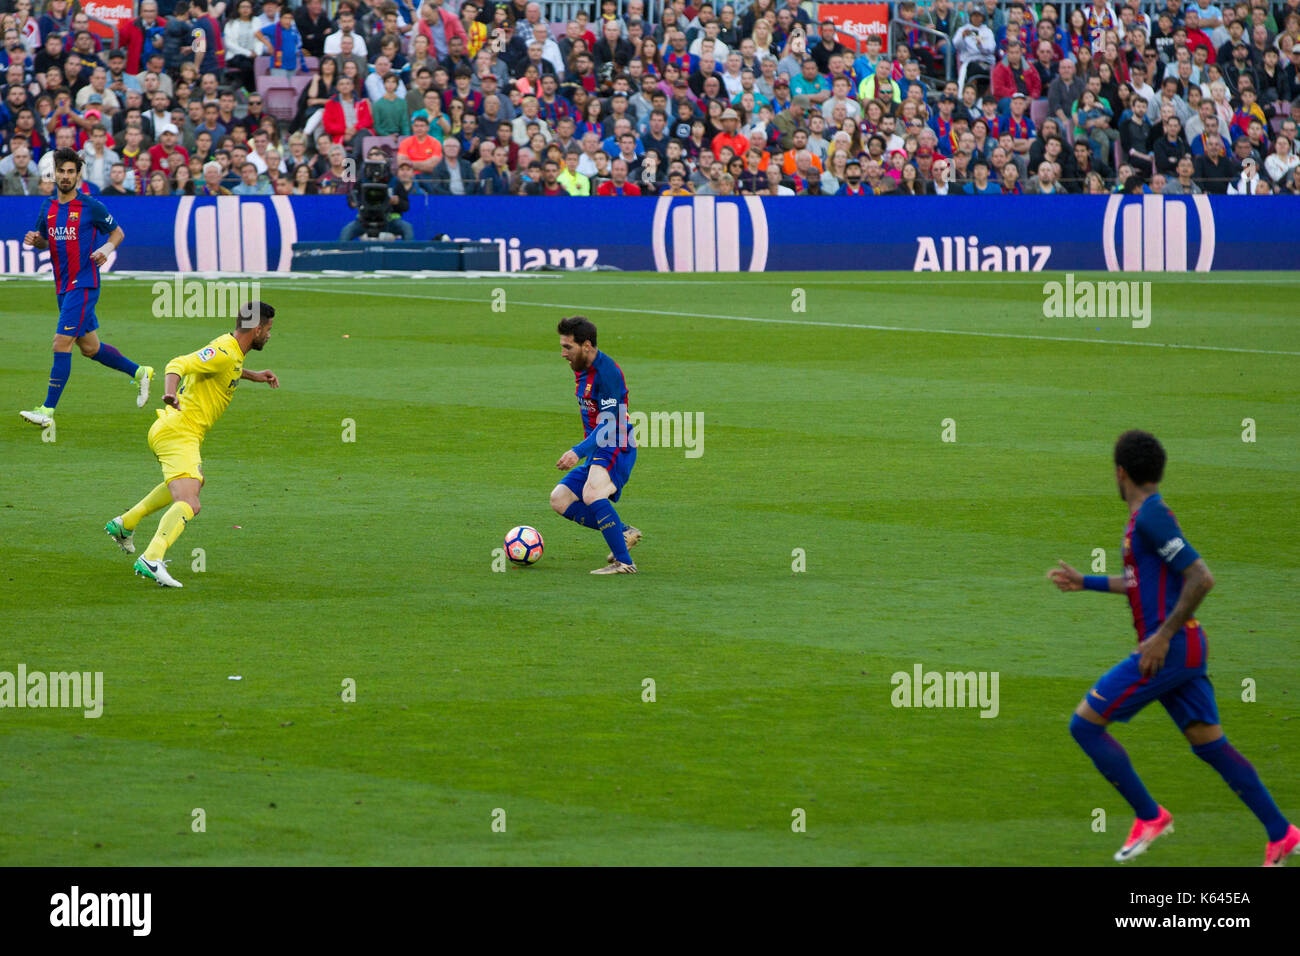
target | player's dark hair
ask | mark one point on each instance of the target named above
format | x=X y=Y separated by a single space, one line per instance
x=1141 y=455
x=580 y=327
x=263 y=311
x=66 y=155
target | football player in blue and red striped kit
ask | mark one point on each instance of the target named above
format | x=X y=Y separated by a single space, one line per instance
x=68 y=225
x=587 y=493
x=1165 y=580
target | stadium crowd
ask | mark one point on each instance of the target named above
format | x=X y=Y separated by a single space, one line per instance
x=218 y=97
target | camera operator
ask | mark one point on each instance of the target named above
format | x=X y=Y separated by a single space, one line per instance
x=380 y=199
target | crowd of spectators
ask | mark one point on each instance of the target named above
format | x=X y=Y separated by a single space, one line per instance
x=475 y=97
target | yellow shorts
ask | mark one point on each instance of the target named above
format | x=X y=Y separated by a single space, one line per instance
x=177 y=451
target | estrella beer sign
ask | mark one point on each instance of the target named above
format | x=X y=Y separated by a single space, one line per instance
x=854 y=22
x=107 y=17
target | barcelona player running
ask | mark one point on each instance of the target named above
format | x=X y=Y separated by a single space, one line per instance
x=68 y=225
x=587 y=493
x=1165 y=580
x=197 y=390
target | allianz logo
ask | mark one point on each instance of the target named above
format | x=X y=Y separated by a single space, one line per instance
x=965 y=254
x=516 y=257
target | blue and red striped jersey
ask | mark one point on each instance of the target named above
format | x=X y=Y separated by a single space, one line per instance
x=602 y=403
x=1155 y=556
x=70 y=228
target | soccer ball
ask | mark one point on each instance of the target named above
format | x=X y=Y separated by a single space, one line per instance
x=523 y=545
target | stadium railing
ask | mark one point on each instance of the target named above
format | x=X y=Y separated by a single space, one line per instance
x=948 y=54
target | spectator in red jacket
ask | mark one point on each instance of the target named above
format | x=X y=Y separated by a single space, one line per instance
x=142 y=36
x=1015 y=74
x=430 y=12
x=347 y=118
x=167 y=153
x=617 y=184
x=1195 y=35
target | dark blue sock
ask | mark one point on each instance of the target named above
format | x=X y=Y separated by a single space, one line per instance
x=1240 y=775
x=611 y=527
x=581 y=514
x=1112 y=760
x=59 y=373
x=107 y=355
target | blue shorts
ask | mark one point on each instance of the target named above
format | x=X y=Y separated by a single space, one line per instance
x=77 y=312
x=1181 y=685
x=618 y=462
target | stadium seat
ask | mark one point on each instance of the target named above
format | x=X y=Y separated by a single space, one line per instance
x=1038 y=112
x=313 y=63
x=265 y=83
x=261 y=66
x=281 y=101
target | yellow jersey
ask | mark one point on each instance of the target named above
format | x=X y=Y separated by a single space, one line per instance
x=208 y=380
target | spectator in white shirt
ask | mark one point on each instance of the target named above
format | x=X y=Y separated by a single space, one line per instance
x=731 y=76
x=99 y=159
x=1282 y=162
x=840 y=95
x=550 y=49
x=347 y=27
x=375 y=81
x=160 y=116
x=720 y=50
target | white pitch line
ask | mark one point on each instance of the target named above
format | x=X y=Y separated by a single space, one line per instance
x=802 y=322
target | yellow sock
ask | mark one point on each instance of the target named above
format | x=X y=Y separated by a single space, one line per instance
x=155 y=500
x=169 y=529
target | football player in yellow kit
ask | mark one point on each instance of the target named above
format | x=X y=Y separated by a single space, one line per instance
x=198 y=390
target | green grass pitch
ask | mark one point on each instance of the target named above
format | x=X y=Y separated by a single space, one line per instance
x=522 y=691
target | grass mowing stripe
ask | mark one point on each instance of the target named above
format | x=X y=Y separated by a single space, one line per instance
x=809 y=322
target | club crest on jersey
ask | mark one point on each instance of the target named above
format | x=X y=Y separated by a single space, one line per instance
x=74 y=215
x=206 y=353
x=587 y=393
